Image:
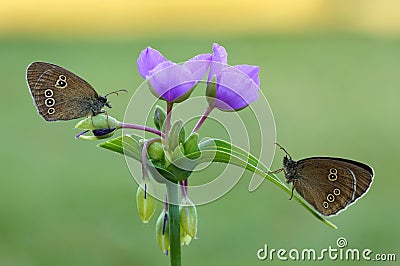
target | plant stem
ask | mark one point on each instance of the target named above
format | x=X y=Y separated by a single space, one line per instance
x=174 y=224
x=168 y=119
x=203 y=118
x=140 y=127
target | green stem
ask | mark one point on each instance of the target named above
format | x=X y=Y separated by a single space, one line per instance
x=174 y=225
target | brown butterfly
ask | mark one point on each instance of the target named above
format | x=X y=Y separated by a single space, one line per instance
x=329 y=184
x=61 y=95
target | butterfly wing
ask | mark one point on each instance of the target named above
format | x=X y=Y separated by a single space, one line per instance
x=332 y=184
x=58 y=93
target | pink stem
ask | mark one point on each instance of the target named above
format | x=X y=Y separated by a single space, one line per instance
x=184 y=185
x=140 y=127
x=168 y=119
x=166 y=203
x=203 y=118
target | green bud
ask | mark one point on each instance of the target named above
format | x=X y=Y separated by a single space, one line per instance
x=159 y=117
x=97 y=134
x=156 y=151
x=176 y=135
x=191 y=144
x=211 y=91
x=146 y=204
x=184 y=237
x=178 y=153
x=182 y=135
x=99 y=121
x=188 y=217
x=162 y=231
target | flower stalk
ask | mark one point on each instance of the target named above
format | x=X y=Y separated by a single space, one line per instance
x=229 y=88
x=168 y=119
x=143 y=128
x=203 y=118
x=174 y=224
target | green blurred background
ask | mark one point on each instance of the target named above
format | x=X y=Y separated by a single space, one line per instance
x=329 y=69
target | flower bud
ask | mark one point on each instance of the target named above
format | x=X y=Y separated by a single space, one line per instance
x=178 y=153
x=156 y=151
x=211 y=91
x=103 y=132
x=188 y=217
x=176 y=135
x=191 y=144
x=146 y=204
x=159 y=117
x=98 y=134
x=162 y=231
x=185 y=238
x=99 y=121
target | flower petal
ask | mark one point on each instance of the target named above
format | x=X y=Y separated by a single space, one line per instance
x=235 y=89
x=198 y=65
x=219 y=61
x=171 y=82
x=219 y=54
x=251 y=71
x=148 y=59
x=174 y=82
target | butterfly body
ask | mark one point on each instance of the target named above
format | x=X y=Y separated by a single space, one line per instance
x=328 y=184
x=60 y=94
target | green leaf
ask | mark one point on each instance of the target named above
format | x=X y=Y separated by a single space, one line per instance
x=210 y=150
x=131 y=142
x=159 y=117
x=229 y=153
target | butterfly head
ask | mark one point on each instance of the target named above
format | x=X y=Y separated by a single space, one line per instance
x=289 y=167
x=104 y=101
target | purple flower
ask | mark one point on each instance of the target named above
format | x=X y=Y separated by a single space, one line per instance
x=98 y=133
x=170 y=81
x=236 y=86
x=103 y=131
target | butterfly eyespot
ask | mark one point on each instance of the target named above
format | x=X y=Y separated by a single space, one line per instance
x=330 y=198
x=62 y=77
x=61 y=84
x=336 y=191
x=48 y=93
x=51 y=111
x=325 y=205
x=332 y=177
x=49 y=102
x=333 y=170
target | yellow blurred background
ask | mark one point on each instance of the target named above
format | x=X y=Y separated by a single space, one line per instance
x=127 y=17
x=329 y=69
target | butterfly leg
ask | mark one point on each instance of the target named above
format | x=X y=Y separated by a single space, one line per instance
x=274 y=172
x=108 y=123
x=291 y=197
x=100 y=112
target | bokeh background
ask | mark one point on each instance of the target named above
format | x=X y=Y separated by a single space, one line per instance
x=330 y=71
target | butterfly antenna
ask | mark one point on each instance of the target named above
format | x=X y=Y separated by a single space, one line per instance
x=115 y=92
x=282 y=148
